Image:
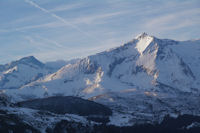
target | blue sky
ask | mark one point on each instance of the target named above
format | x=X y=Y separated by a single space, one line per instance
x=66 y=29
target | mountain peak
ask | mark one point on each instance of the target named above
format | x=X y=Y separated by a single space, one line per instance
x=28 y=58
x=31 y=59
x=142 y=35
x=144 y=40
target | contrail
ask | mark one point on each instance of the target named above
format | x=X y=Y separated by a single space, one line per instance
x=51 y=41
x=57 y=17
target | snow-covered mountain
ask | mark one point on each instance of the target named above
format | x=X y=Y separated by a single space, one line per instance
x=21 y=72
x=145 y=63
x=143 y=79
x=18 y=73
x=56 y=65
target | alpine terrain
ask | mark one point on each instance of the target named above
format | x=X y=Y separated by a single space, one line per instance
x=148 y=81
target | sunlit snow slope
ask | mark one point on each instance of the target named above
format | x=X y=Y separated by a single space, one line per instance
x=146 y=63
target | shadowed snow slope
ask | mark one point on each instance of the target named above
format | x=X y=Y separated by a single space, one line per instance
x=145 y=63
x=21 y=72
x=24 y=71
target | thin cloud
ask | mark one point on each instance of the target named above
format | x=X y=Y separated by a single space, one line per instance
x=35 y=44
x=65 y=7
x=54 y=24
x=175 y=20
x=57 y=17
x=4 y=30
x=47 y=25
x=76 y=53
x=51 y=41
x=42 y=43
x=96 y=18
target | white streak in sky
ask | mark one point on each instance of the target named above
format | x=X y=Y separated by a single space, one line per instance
x=50 y=41
x=65 y=7
x=57 y=17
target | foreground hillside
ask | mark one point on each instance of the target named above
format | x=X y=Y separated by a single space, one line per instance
x=55 y=115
